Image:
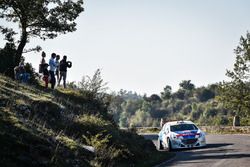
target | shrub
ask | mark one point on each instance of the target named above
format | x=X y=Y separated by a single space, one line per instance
x=7 y=57
x=33 y=75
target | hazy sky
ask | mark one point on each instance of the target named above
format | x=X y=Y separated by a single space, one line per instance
x=144 y=45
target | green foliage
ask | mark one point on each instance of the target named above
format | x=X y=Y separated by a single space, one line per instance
x=187 y=85
x=33 y=74
x=7 y=57
x=98 y=140
x=195 y=115
x=186 y=110
x=95 y=85
x=44 y=128
x=178 y=105
x=124 y=119
x=141 y=118
x=180 y=94
x=210 y=112
x=235 y=94
x=106 y=154
x=154 y=98
x=166 y=94
x=204 y=94
x=198 y=105
x=7 y=63
x=38 y=18
x=131 y=106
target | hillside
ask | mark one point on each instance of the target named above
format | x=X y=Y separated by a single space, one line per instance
x=65 y=128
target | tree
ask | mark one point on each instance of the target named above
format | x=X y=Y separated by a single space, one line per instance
x=141 y=118
x=45 y=19
x=94 y=86
x=167 y=92
x=180 y=94
x=187 y=85
x=204 y=94
x=123 y=120
x=7 y=59
x=155 y=98
x=235 y=94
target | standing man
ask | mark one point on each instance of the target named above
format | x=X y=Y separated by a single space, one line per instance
x=64 y=64
x=52 y=69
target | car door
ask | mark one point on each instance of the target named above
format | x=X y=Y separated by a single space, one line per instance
x=165 y=134
x=161 y=133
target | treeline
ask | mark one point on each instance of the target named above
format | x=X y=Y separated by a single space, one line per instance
x=187 y=103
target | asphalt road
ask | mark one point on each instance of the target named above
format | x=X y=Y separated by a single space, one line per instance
x=221 y=151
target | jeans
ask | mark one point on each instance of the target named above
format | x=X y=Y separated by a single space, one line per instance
x=52 y=79
x=63 y=75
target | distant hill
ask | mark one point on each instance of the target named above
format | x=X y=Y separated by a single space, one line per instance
x=65 y=127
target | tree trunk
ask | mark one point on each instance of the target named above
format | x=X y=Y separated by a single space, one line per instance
x=236 y=121
x=21 y=46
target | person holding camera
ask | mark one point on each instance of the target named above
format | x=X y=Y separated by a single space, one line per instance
x=64 y=64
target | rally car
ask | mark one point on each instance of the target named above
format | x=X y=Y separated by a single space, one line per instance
x=180 y=134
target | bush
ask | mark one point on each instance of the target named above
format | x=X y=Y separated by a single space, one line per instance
x=33 y=75
x=210 y=112
x=221 y=120
x=7 y=63
x=106 y=154
x=7 y=57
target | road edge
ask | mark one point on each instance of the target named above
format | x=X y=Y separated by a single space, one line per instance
x=166 y=162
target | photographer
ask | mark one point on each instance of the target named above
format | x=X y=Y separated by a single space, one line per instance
x=64 y=64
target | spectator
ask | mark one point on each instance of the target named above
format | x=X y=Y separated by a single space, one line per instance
x=52 y=65
x=20 y=73
x=42 y=63
x=18 y=70
x=64 y=64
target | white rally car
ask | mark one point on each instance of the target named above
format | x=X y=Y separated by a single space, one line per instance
x=180 y=134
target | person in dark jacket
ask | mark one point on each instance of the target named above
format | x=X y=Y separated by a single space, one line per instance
x=64 y=64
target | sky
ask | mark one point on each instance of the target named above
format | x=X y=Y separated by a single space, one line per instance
x=144 y=45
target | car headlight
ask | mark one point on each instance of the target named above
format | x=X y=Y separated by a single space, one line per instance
x=173 y=136
x=176 y=137
x=200 y=135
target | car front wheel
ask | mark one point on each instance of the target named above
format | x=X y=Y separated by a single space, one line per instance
x=159 y=144
x=169 y=145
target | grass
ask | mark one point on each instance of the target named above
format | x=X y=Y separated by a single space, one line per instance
x=41 y=127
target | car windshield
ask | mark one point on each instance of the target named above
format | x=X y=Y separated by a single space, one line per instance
x=182 y=127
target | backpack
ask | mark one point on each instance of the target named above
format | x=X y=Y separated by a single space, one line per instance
x=41 y=68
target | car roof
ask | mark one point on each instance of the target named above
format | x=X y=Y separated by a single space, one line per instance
x=178 y=122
